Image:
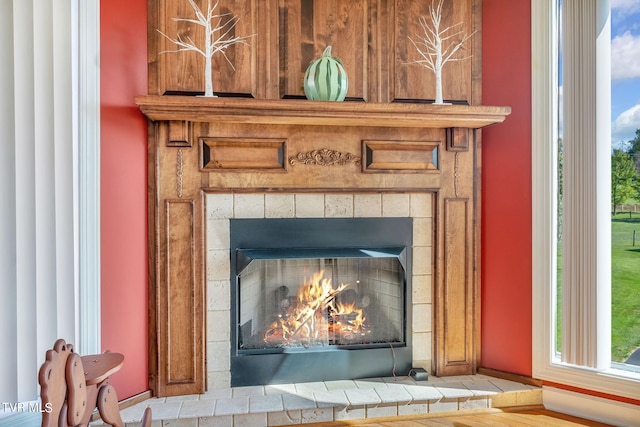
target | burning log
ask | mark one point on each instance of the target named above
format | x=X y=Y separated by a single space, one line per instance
x=316 y=296
x=322 y=302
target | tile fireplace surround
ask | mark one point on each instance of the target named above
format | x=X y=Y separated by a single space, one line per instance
x=220 y=208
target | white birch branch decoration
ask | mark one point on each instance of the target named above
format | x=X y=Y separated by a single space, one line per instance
x=218 y=37
x=437 y=47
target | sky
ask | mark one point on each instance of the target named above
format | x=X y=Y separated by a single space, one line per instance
x=625 y=70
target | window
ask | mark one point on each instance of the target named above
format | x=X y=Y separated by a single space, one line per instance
x=586 y=357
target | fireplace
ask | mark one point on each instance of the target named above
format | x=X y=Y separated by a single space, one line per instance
x=319 y=298
x=388 y=235
x=214 y=161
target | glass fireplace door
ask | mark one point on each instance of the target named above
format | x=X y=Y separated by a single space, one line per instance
x=317 y=299
x=301 y=299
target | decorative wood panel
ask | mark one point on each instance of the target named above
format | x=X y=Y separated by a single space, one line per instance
x=183 y=72
x=416 y=83
x=308 y=26
x=456 y=302
x=387 y=156
x=371 y=37
x=180 y=304
x=240 y=154
x=179 y=134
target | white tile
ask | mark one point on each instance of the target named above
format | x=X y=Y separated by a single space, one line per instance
x=473 y=403
x=219 y=206
x=250 y=420
x=222 y=393
x=433 y=380
x=481 y=388
x=395 y=205
x=294 y=401
x=284 y=418
x=453 y=390
x=280 y=389
x=363 y=397
x=232 y=406
x=443 y=405
x=165 y=411
x=269 y=403
x=340 y=385
x=421 y=286
x=218 y=234
x=309 y=205
x=350 y=413
x=332 y=398
x=506 y=385
x=457 y=378
x=368 y=383
x=398 y=381
x=422 y=260
x=393 y=393
x=421 y=321
x=218 y=295
x=218 y=264
x=223 y=421
x=426 y=392
x=197 y=408
x=311 y=386
x=317 y=415
x=218 y=328
x=421 y=205
x=248 y=206
x=413 y=408
x=422 y=232
x=247 y=391
x=338 y=205
x=218 y=356
x=279 y=205
x=480 y=377
x=422 y=348
x=182 y=422
x=218 y=380
x=182 y=397
x=382 y=410
x=367 y=205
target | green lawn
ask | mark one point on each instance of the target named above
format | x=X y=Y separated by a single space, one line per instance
x=625 y=295
x=625 y=291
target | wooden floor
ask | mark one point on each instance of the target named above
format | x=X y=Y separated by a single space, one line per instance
x=520 y=417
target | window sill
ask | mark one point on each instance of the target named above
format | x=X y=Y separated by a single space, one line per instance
x=615 y=382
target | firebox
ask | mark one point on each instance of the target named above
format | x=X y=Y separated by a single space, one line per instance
x=319 y=299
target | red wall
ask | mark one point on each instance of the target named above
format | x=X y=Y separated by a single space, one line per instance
x=123 y=68
x=506 y=188
x=506 y=209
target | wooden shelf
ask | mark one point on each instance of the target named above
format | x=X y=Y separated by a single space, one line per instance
x=303 y=112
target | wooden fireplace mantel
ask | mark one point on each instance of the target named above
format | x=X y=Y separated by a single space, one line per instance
x=250 y=145
x=303 y=112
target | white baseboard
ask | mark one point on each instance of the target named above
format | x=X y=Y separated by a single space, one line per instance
x=591 y=407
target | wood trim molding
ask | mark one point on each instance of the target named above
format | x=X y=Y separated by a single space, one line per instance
x=316 y=113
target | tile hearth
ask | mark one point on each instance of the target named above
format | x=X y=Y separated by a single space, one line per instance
x=302 y=403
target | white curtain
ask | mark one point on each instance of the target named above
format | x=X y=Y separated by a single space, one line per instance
x=586 y=257
x=49 y=126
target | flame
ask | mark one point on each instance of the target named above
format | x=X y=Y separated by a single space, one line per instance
x=317 y=315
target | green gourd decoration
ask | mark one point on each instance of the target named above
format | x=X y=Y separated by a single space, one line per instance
x=326 y=79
